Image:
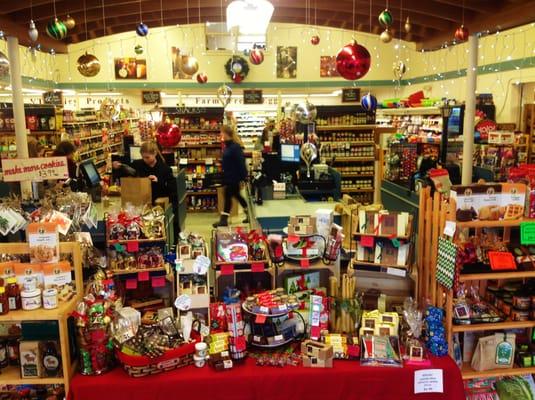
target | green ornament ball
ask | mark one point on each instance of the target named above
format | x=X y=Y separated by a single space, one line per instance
x=138 y=49
x=385 y=18
x=56 y=29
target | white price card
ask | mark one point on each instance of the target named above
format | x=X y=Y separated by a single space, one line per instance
x=449 y=229
x=429 y=381
x=183 y=161
x=183 y=302
x=209 y=161
x=201 y=265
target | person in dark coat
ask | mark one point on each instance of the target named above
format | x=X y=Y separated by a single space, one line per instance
x=234 y=172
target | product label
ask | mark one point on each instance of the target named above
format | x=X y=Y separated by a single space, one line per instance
x=12 y=303
x=50 y=363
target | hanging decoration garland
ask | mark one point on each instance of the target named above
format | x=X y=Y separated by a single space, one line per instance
x=237 y=68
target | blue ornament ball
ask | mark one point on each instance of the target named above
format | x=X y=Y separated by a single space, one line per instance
x=142 y=29
x=369 y=102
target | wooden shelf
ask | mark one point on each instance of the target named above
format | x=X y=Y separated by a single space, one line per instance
x=194 y=146
x=32 y=133
x=343 y=127
x=493 y=326
x=64 y=308
x=380 y=264
x=135 y=271
x=352 y=142
x=496 y=275
x=493 y=224
x=356 y=175
x=11 y=376
x=469 y=373
x=159 y=240
x=202 y=192
x=345 y=159
x=357 y=190
x=404 y=237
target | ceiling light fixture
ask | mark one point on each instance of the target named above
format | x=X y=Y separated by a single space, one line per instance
x=251 y=17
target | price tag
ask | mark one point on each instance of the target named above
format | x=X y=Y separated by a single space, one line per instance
x=260 y=319
x=179 y=265
x=183 y=302
x=209 y=161
x=501 y=260
x=119 y=247
x=132 y=247
x=183 y=161
x=227 y=269
x=201 y=265
x=429 y=381
x=131 y=283
x=143 y=276
x=366 y=241
x=158 y=281
x=257 y=267
x=450 y=228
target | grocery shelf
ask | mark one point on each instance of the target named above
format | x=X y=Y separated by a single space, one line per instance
x=352 y=142
x=135 y=271
x=357 y=190
x=343 y=127
x=345 y=159
x=355 y=175
x=11 y=376
x=32 y=133
x=506 y=223
x=493 y=326
x=469 y=373
x=158 y=240
x=496 y=275
x=64 y=308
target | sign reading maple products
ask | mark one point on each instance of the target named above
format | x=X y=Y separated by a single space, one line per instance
x=34 y=169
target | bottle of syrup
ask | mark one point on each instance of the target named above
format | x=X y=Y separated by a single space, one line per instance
x=51 y=360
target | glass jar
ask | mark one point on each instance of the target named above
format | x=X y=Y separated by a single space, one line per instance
x=13 y=294
x=4 y=305
x=31 y=299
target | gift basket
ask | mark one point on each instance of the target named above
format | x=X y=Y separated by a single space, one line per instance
x=240 y=246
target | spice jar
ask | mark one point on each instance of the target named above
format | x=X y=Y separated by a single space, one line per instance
x=50 y=298
x=13 y=294
x=4 y=305
x=31 y=299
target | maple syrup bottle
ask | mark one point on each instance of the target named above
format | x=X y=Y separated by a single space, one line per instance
x=51 y=360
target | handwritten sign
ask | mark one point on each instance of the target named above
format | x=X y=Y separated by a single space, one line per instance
x=351 y=95
x=527 y=232
x=151 y=97
x=253 y=97
x=428 y=381
x=53 y=97
x=34 y=169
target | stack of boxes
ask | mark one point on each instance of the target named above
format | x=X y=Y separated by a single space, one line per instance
x=302 y=225
x=379 y=324
x=317 y=354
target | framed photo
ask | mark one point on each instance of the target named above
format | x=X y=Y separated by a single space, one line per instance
x=328 y=67
x=461 y=311
x=184 y=251
x=287 y=62
x=130 y=68
x=177 y=57
x=416 y=353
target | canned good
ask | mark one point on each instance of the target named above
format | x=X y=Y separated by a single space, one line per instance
x=50 y=298
x=31 y=299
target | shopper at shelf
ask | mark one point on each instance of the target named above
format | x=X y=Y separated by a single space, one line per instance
x=153 y=166
x=66 y=149
x=234 y=172
x=35 y=149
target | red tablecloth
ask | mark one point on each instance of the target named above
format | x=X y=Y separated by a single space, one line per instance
x=347 y=380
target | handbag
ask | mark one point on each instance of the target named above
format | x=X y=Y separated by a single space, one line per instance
x=494 y=351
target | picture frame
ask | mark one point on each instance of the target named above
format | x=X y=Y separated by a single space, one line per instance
x=184 y=252
x=416 y=353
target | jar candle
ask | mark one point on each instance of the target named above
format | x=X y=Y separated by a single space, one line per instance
x=31 y=299
x=50 y=298
x=201 y=349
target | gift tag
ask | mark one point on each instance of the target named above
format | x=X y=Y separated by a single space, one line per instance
x=257 y=267
x=158 y=281
x=132 y=246
x=201 y=265
x=227 y=269
x=449 y=229
x=366 y=241
x=183 y=302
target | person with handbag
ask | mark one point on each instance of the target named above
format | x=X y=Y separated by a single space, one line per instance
x=234 y=172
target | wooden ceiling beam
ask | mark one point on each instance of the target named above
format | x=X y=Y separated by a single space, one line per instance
x=47 y=43
x=479 y=6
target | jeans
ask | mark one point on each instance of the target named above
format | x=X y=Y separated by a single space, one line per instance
x=233 y=190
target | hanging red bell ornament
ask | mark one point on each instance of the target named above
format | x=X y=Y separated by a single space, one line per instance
x=169 y=135
x=202 y=78
x=315 y=40
x=256 y=57
x=353 y=61
x=461 y=34
x=237 y=78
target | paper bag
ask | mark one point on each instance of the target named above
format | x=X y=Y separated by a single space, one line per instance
x=136 y=191
x=494 y=351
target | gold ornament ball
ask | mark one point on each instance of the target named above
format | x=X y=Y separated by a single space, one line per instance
x=88 y=65
x=386 y=36
x=189 y=65
x=69 y=22
x=408 y=25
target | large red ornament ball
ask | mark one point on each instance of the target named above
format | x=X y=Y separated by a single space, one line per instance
x=353 y=61
x=315 y=40
x=461 y=34
x=169 y=135
x=256 y=57
x=202 y=78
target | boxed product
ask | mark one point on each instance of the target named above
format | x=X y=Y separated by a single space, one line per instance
x=302 y=225
x=30 y=359
x=43 y=240
x=317 y=354
x=57 y=275
x=324 y=219
x=29 y=273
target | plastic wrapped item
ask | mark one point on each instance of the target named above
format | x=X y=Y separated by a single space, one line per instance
x=380 y=351
x=414 y=347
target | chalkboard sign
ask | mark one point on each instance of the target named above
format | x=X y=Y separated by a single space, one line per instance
x=351 y=95
x=151 y=97
x=253 y=97
x=53 y=97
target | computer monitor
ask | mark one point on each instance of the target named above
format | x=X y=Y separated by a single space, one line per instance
x=290 y=153
x=90 y=173
x=135 y=153
x=455 y=121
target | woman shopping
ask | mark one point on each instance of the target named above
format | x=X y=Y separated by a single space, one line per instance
x=234 y=172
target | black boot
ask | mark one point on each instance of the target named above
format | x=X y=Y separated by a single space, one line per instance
x=223 y=221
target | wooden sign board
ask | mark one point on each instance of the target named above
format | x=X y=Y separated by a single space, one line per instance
x=151 y=97
x=34 y=169
x=351 y=95
x=253 y=97
x=53 y=97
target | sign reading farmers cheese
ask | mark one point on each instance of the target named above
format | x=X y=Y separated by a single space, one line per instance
x=34 y=169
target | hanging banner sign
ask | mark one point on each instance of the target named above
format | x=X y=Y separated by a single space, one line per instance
x=34 y=169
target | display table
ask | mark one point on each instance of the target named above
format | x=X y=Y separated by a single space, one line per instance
x=347 y=380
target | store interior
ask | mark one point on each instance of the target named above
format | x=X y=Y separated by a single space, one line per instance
x=256 y=199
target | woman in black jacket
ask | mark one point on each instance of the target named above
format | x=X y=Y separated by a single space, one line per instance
x=234 y=172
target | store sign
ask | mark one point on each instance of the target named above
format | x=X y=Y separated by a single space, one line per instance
x=34 y=169
x=351 y=95
x=151 y=97
x=53 y=97
x=253 y=97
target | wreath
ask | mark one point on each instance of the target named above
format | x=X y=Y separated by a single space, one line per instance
x=237 y=68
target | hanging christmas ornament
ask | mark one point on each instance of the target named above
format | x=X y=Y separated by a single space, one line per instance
x=353 y=61
x=69 y=22
x=88 y=65
x=237 y=78
x=399 y=69
x=202 y=78
x=237 y=68
x=56 y=29
x=33 y=33
x=385 y=18
x=52 y=52
x=189 y=65
x=168 y=135
x=306 y=113
x=138 y=49
x=38 y=47
x=369 y=102
x=224 y=93
x=2 y=34
x=315 y=40
x=256 y=56
x=408 y=25
x=142 y=29
x=386 y=36
x=461 y=34
x=4 y=66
